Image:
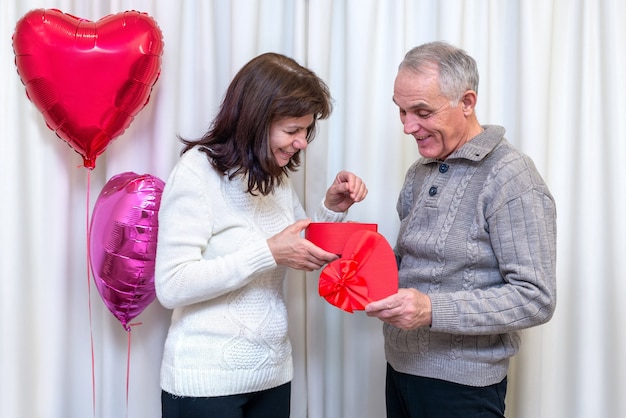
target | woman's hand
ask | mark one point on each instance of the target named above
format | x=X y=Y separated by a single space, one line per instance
x=346 y=190
x=291 y=250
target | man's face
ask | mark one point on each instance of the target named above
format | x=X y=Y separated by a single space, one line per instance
x=438 y=128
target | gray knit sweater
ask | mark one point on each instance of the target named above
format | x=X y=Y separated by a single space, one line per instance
x=478 y=235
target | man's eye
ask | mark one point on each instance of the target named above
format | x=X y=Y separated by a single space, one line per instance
x=424 y=114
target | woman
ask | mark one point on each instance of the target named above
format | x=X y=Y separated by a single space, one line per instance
x=230 y=224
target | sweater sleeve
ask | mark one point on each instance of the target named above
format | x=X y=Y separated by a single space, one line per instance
x=183 y=273
x=322 y=214
x=520 y=218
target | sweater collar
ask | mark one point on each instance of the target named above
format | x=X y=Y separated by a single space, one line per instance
x=478 y=147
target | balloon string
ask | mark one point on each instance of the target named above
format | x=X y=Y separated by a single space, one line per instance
x=128 y=365
x=93 y=362
x=127 y=372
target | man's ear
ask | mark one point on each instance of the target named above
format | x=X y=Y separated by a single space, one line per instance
x=468 y=101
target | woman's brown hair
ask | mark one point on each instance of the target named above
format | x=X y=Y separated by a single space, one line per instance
x=269 y=87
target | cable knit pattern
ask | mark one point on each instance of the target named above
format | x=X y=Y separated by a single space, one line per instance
x=228 y=332
x=478 y=235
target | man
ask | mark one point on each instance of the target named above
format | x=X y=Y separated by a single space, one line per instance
x=476 y=248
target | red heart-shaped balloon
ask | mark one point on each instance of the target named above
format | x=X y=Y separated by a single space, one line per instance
x=88 y=79
x=366 y=272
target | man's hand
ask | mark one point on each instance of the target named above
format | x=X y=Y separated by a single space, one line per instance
x=407 y=309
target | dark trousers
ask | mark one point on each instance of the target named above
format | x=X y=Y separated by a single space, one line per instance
x=411 y=396
x=271 y=403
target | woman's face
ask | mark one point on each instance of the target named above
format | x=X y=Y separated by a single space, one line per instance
x=288 y=136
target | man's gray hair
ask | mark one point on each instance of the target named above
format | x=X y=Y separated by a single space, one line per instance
x=458 y=71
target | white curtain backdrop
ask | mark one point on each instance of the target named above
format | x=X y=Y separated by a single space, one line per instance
x=553 y=73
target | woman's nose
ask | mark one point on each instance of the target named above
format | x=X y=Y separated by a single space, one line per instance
x=300 y=142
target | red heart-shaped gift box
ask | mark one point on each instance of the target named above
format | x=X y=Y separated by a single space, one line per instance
x=332 y=236
x=366 y=272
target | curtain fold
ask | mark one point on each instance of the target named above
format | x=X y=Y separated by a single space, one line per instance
x=553 y=73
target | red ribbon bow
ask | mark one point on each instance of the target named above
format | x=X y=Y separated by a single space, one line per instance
x=339 y=282
x=342 y=286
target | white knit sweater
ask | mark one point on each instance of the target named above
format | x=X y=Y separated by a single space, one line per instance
x=228 y=332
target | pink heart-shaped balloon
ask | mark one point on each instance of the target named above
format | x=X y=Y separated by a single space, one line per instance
x=122 y=243
x=88 y=79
